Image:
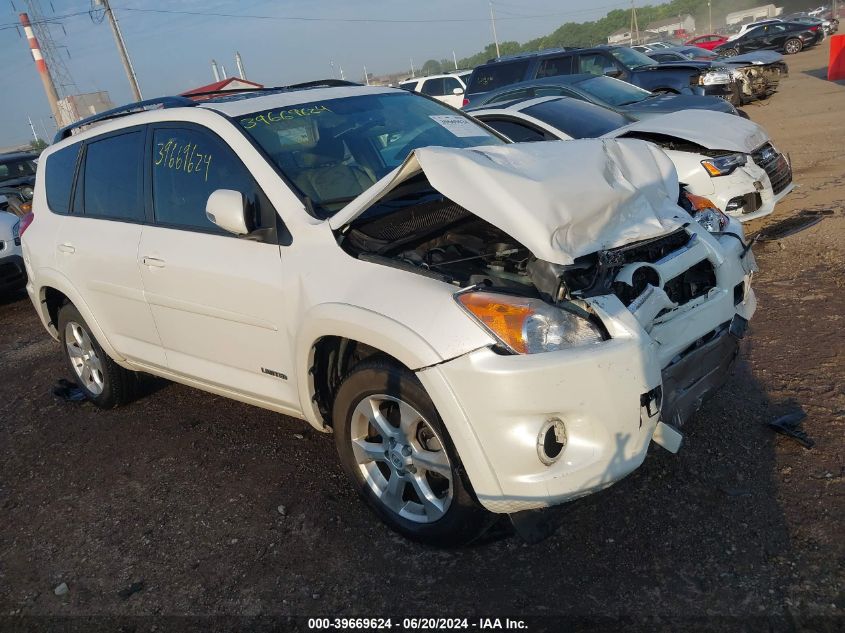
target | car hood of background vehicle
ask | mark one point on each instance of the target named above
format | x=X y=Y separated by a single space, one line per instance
x=713 y=130
x=560 y=200
x=758 y=58
x=661 y=104
x=689 y=65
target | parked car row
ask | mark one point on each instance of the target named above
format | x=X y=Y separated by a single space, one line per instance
x=486 y=327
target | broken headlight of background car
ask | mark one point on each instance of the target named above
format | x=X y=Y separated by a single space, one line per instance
x=704 y=211
x=528 y=326
x=725 y=164
x=715 y=77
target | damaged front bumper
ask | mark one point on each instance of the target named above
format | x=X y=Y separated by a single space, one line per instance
x=659 y=364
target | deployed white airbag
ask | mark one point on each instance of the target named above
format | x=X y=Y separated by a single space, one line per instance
x=561 y=200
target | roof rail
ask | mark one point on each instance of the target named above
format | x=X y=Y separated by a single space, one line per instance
x=184 y=101
x=125 y=110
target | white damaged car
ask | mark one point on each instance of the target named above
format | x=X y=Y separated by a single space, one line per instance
x=486 y=328
x=728 y=159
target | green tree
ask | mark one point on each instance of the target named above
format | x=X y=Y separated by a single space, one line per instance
x=38 y=145
x=431 y=67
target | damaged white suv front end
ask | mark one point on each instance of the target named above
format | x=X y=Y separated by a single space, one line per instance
x=614 y=314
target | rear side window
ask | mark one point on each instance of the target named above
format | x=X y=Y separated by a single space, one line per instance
x=433 y=87
x=497 y=75
x=592 y=63
x=578 y=119
x=409 y=85
x=188 y=165
x=113 y=177
x=59 y=172
x=555 y=66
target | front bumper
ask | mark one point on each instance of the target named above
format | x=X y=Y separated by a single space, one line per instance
x=495 y=406
x=748 y=190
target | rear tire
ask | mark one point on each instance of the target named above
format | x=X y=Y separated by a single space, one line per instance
x=792 y=46
x=104 y=382
x=730 y=52
x=397 y=452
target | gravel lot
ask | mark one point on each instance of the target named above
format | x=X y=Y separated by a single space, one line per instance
x=185 y=503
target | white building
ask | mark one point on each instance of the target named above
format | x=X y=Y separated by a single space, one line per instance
x=753 y=14
x=76 y=107
x=669 y=26
x=620 y=36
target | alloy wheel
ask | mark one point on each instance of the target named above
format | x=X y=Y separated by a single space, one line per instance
x=402 y=460
x=83 y=358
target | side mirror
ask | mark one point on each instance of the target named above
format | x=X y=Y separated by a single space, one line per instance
x=227 y=209
x=612 y=71
x=458 y=91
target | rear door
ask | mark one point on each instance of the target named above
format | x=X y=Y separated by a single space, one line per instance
x=97 y=243
x=217 y=299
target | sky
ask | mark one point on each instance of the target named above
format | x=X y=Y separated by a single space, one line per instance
x=172 y=52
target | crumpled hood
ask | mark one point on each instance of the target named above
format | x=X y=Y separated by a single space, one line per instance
x=713 y=130
x=561 y=200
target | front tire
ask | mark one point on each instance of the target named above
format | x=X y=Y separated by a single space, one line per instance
x=792 y=46
x=397 y=452
x=730 y=52
x=104 y=382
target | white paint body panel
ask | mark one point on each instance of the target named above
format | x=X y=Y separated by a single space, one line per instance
x=220 y=308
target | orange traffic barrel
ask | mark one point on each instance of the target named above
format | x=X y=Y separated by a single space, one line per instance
x=836 y=65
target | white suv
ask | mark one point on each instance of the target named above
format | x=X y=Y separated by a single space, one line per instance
x=485 y=327
x=448 y=88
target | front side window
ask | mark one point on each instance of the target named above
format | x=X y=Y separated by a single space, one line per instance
x=188 y=165
x=113 y=177
x=555 y=66
x=60 y=169
x=333 y=150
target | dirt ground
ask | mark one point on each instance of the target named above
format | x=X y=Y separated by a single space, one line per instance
x=179 y=493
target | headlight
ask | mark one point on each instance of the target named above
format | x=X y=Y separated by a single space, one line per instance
x=706 y=213
x=27 y=193
x=724 y=165
x=715 y=77
x=528 y=326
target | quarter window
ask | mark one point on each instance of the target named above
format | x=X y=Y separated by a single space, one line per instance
x=188 y=165
x=113 y=177
x=60 y=168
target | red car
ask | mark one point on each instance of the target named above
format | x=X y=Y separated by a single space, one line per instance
x=707 y=41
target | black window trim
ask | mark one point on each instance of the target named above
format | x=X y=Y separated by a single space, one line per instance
x=278 y=234
x=510 y=118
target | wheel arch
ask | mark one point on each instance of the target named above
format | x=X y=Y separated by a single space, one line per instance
x=337 y=335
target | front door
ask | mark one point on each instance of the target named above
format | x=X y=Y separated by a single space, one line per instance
x=217 y=299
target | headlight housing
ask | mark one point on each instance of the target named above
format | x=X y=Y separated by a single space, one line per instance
x=706 y=213
x=715 y=77
x=528 y=326
x=724 y=165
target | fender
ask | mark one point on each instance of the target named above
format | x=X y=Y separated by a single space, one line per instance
x=50 y=277
x=360 y=324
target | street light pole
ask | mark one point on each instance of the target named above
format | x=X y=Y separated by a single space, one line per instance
x=493 y=23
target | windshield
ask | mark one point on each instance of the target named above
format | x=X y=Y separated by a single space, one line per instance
x=613 y=91
x=333 y=150
x=16 y=169
x=631 y=58
x=578 y=119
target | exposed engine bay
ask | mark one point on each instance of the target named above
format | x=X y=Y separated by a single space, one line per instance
x=419 y=230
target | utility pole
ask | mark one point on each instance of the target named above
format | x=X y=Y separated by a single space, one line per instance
x=635 y=28
x=366 y=76
x=223 y=72
x=32 y=127
x=121 y=49
x=493 y=23
x=41 y=65
x=710 y=12
x=455 y=59
x=215 y=71
x=413 y=74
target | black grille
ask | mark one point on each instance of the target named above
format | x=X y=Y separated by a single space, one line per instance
x=775 y=165
x=416 y=219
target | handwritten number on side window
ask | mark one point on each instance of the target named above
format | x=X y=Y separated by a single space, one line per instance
x=184 y=158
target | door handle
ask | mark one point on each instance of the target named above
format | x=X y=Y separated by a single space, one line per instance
x=66 y=248
x=152 y=262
